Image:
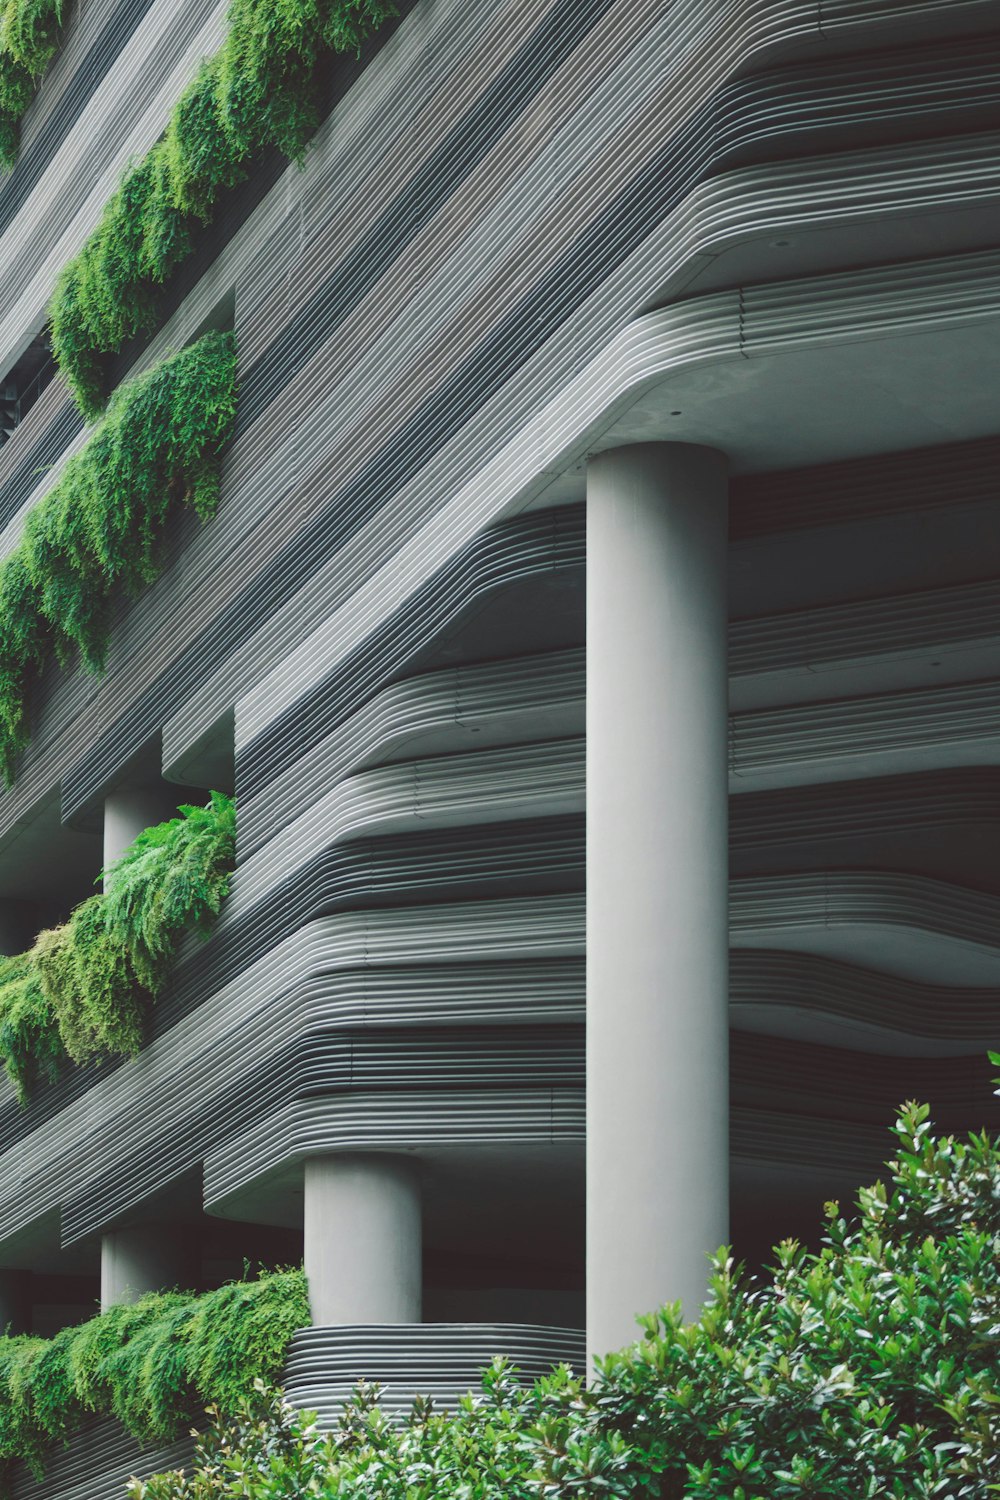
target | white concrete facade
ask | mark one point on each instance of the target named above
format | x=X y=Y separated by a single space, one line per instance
x=592 y=345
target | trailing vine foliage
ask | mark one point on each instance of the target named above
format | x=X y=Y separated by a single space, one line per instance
x=154 y=1364
x=30 y=1044
x=29 y=36
x=83 y=991
x=261 y=89
x=99 y=528
x=866 y=1371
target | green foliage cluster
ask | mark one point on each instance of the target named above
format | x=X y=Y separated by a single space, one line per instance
x=29 y=35
x=154 y=1364
x=83 y=990
x=261 y=89
x=866 y=1371
x=99 y=528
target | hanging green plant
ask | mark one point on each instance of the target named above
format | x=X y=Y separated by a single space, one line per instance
x=154 y=1364
x=261 y=89
x=100 y=527
x=84 y=989
x=29 y=36
x=30 y=1044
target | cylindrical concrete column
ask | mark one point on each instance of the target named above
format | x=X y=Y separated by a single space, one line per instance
x=362 y=1240
x=657 y=888
x=15 y=1302
x=130 y=810
x=147 y=1258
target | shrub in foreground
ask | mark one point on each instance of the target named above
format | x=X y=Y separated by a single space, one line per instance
x=867 y=1371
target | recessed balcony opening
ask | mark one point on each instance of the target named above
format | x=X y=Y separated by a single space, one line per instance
x=504 y=1237
x=23 y=383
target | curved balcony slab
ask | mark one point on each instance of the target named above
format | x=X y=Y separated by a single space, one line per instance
x=934 y=481
x=432 y=866
x=943 y=824
x=482 y=786
x=256 y=1174
x=439 y=1360
x=485 y=963
x=96 y=1463
x=843 y=1086
x=913 y=927
x=530 y=698
x=745 y=369
x=924 y=730
x=815 y=815
x=866 y=647
x=876 y=205
x=829 y=1152
x=500 y=556
x=808 y=998
x=923 y=930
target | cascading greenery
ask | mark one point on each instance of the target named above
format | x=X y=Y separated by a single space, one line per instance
x=29 y=35
x=154 y=1364
x=84 y=989
x=99 y=528
x=261 y=89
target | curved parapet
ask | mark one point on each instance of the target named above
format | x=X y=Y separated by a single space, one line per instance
x=439 y=1360
x=96 y=1464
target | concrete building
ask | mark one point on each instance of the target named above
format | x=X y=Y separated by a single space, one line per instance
x=619 y=431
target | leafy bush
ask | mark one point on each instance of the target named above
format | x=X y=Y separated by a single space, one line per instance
x=154 y=1364
x=266 y=1442
x=83 y=990
x=261 y=89
x=29 y=35
x=866 y=1371
x=99 y=528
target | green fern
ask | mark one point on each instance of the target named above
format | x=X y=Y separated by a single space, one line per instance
x=154 y=1364
x=29 y=36
x=261 y=89
x=30 y=1043
x=83 y=991
x=99 y=528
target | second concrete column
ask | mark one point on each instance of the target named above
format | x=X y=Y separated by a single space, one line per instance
x=362 y=1240
x=129 y=811
x=147 y=1258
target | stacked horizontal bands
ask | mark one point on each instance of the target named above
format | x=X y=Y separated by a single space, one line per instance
x=97 y=1466
x=233 y=553
x=440 y=1360
x=105 y=98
